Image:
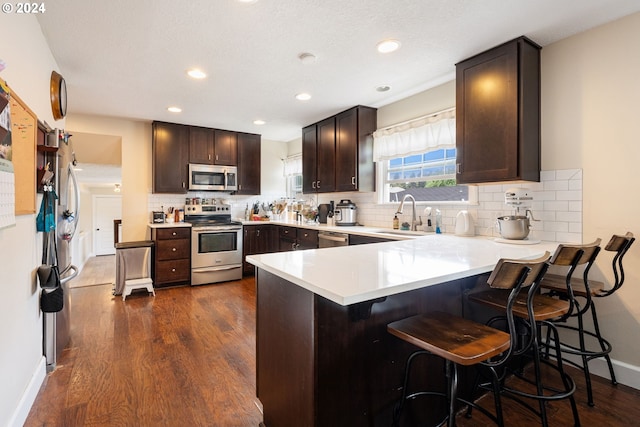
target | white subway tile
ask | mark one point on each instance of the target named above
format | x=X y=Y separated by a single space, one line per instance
x=556 y=185
x=547 y=176
x=556 y=205
x=569 y=195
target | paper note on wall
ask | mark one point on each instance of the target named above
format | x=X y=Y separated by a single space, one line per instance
x=7 y=176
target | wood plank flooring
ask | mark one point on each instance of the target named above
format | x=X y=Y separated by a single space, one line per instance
x=97 y=270
x=187 y=358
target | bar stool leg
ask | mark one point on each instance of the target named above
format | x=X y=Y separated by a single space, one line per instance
x=452 y=391
x=601 y=340
x=407 y=370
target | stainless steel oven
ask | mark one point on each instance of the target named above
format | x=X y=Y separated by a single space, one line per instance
x=216 y=244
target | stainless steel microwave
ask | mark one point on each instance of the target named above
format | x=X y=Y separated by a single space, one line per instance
x=213 y=178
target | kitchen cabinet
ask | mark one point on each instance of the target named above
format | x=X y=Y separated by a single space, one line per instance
x=248 y=164
x=337 y=153
x=498 y=114
x=354 y=149
x=201 y=144
x=225 y=148
x=293 y=238
x=170 y=148
x=257 y=239
x=172 y=257
x=319 y=157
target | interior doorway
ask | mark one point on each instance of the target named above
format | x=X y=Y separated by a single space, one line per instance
x=106 y=209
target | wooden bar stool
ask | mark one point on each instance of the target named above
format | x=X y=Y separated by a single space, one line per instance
x=582 y=291
x=464 y=342
x=534 y=312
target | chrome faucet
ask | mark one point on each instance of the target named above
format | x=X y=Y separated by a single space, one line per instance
x=414 y=222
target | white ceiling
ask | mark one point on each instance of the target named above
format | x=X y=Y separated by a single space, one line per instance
x=128 y=58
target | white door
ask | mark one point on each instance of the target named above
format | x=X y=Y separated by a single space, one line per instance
x=105 y=210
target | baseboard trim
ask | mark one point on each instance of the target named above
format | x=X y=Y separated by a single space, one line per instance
x=626 y=373
x=26 y=401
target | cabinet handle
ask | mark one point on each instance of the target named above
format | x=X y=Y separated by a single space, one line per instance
x=257 y=233
x=173 y=249
x=318 y=185
x=216 y=157
x=174 y=233
x=209 y=156
x=297 y=246
x=293 y=246
x=458 y=168
x=353 y=181
x=240 y=187
x=173 y=270
x=183 y=186
x=313 y=184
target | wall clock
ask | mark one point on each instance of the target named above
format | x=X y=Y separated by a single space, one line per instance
x=58 y=96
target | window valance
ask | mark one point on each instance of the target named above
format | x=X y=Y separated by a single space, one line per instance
x=416 y=136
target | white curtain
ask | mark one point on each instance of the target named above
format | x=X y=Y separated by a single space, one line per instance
x=416 y=136
x=292 y=165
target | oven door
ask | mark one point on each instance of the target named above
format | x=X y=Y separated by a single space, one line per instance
x=216 y=254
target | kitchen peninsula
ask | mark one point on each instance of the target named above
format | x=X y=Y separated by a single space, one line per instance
x=324 y=356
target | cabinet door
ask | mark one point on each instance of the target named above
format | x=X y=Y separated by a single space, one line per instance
x=200 y=145
x=347 y=150
x=225 y=148
x=307 y=239
x=248 y=164
x=326 y=152
x=309 y=158
x=170 y=146
x=248 y=247
x=497 y=117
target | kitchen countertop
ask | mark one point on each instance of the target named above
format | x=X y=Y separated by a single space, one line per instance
x=352 y=274
x=169 y=224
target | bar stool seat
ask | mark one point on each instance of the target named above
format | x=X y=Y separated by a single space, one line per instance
x=461 y=341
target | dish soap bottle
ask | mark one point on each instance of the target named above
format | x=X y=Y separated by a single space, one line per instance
x=438 y=221
x=396 y=222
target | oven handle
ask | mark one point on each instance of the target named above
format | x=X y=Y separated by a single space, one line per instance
x=221 y=268
x=216 y=228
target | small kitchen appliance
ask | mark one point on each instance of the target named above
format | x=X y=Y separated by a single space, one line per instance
x=323 y=212
x=464 y=224
x=345 y=213
x=516 y=227
x=213 y=177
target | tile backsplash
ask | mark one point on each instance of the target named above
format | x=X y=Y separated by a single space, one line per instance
x=556 y=206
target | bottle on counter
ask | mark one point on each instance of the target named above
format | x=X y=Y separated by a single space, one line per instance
x=396 y=222
x=247 y=214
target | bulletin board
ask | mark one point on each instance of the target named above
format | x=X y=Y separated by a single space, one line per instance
x=24 y=129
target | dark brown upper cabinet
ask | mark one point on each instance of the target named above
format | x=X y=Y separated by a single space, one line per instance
x=225 y=151
x=337 y=153
x=319 y=157
x=498 y=114
x=170 y=147
x=201 y=145
x=355 y=169
x=248 y=163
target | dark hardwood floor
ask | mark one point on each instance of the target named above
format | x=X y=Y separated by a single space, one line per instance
x=187 y=358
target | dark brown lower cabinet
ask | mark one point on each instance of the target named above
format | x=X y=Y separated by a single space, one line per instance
x=257 y=239
x=172 y=256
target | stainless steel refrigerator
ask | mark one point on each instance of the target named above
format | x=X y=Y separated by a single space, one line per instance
x=57 y=325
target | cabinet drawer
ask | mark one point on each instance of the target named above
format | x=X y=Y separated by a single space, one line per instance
x=173 y=233
x=308 y=239
x=173 y=271
x=288 y=232
x=172 y=249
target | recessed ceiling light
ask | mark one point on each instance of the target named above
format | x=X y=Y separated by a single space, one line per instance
x=247 y=1
x=383 y=88
x=175 y=109
x=259 y=122
x=196 y=73
x=307 y=58
x=303 y=97
x=387 y=46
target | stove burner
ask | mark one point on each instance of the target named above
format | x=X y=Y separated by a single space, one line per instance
x=209 y=215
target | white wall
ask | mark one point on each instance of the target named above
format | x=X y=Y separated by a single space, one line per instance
x=22 y=367
x=590 y=92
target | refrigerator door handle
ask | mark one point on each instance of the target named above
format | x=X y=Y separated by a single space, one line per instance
x=76 y=194
x=69 y=277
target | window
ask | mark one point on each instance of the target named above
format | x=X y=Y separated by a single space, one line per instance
x=418 y=157
x=429 y=177
x=292 y=170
